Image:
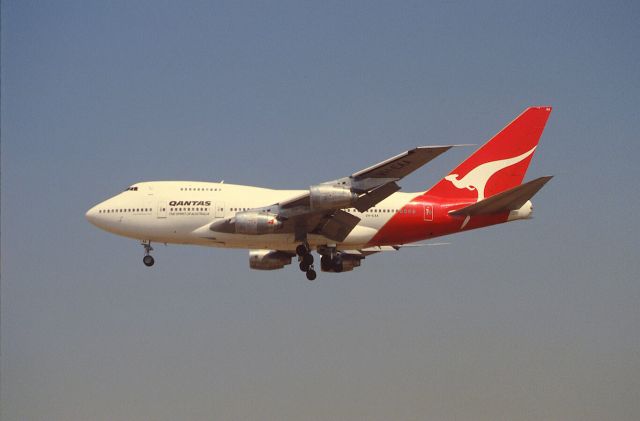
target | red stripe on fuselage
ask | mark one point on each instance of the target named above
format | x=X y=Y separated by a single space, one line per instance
x=411 y=224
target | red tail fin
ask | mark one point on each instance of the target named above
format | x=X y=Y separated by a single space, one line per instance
x=500 y=164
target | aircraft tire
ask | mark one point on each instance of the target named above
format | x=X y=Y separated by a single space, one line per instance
x=148 y=260
x=311 y=274
x=307 y=259
x=301 y=250
x=304 y=267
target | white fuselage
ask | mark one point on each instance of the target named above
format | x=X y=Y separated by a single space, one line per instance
x=181 y=212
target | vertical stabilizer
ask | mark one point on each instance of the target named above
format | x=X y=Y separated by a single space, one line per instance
x=500 y=164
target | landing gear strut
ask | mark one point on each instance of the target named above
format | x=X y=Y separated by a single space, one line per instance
x=148 y=260
x=306 y=260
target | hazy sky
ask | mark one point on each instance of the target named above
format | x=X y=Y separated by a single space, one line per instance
x=526 y=321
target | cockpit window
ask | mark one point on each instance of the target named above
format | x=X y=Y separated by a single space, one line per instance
x=132 y=188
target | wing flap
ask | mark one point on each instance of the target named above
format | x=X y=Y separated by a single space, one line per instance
x=338 y=226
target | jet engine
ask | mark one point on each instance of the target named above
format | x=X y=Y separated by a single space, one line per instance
x=254 y=223
x=325 y=196
x=268 y=259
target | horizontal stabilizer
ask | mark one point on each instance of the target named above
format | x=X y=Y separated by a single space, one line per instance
x=508 y=200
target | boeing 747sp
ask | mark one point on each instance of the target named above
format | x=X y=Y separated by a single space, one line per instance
x=343 y=220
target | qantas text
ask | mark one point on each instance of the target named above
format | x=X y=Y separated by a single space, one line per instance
x=190 y=203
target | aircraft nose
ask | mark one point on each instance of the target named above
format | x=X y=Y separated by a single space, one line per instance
x=92 y=215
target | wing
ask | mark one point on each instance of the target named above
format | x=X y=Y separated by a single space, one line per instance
x=319 y=211
x=376 y=183
x=401 y=165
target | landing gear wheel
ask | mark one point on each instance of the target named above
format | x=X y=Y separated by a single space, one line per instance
x=148 y=260
x=301 y=250
x=307 y=259
x=304 y=257
x=311 y=274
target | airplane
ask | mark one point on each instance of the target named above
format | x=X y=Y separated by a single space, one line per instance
x=344 y=220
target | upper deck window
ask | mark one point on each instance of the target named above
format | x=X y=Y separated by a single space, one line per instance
x=132 y=188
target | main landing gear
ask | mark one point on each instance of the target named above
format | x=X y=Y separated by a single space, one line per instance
x=331 y=260
x=306 y=261
x=148 y=258
x=329 y=263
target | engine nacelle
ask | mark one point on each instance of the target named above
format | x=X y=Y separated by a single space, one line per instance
x=325 y=196
x=254 y=223
x=268 y=259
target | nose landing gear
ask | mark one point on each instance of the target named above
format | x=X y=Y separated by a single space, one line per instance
x=148 y=260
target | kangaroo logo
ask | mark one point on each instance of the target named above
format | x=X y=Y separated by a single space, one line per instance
x=477 y=178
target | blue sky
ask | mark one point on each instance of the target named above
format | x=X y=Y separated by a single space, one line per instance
x=530 y=320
